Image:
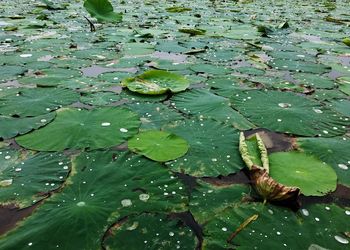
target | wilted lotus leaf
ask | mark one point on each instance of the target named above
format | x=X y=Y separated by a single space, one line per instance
x=254 y=154
x=155 y=82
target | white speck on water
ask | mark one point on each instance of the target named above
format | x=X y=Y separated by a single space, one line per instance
x=144 y=197
x=25 y=55
x=105 y=124
x=341 y=239
x=123 y=130
x=81 y=204
x=305 y=212
x=224 y=229
x=343 y=166
x=126 y=203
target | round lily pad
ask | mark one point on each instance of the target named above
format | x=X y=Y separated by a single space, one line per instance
x=38 y=101
x=155 y=82
x=288 y=112
x=295 y=169
x=158 y=145
x=76 y=129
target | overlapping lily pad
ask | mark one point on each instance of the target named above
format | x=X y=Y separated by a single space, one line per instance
x=138 y=185
x=78 y=129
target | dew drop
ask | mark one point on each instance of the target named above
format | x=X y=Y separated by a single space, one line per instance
x=123 y=130
x=341 y=239
x=144 y=197
x=343 y=166
x=7 y=157
x=81 y=204
x=126 y=203
x=305 y=212
x=224 y=229
x=171 y=234
x=105 y=124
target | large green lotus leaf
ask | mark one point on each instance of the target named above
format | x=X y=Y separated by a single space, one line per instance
x=309 y=174
x=102 y=10
x=138 y=49
x=333 y=151
x=155 y=82
x=204 y=104
x=100 y=98
x=342 y=106
x=288 y=112
x=299 y=66
x=8 y=72
x=78 y=129
x=344 y=84
x=151 y=231
x=154 y=115
x=11 y=127
x=33 y=178
x=38 y=101
x=314 y=81
x=103 y=188
x=213 y=148
x=208 y=200
x=315 y=227
x=158 y=145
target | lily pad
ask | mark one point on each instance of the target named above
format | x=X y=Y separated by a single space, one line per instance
x=102 y=10
x=136 y=184
x=158 y=145
x=295 y=169
x=155 y=82
x=78 y=129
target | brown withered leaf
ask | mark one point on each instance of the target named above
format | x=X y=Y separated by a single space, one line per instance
x=270 y=189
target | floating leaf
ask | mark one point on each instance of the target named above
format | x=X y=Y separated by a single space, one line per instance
x=306 y=172
x=158 y=145
x=85 y=203
x=102 y=10
x=155 y=82
x=177 y=9
x=192 y=32
x=78 y=129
